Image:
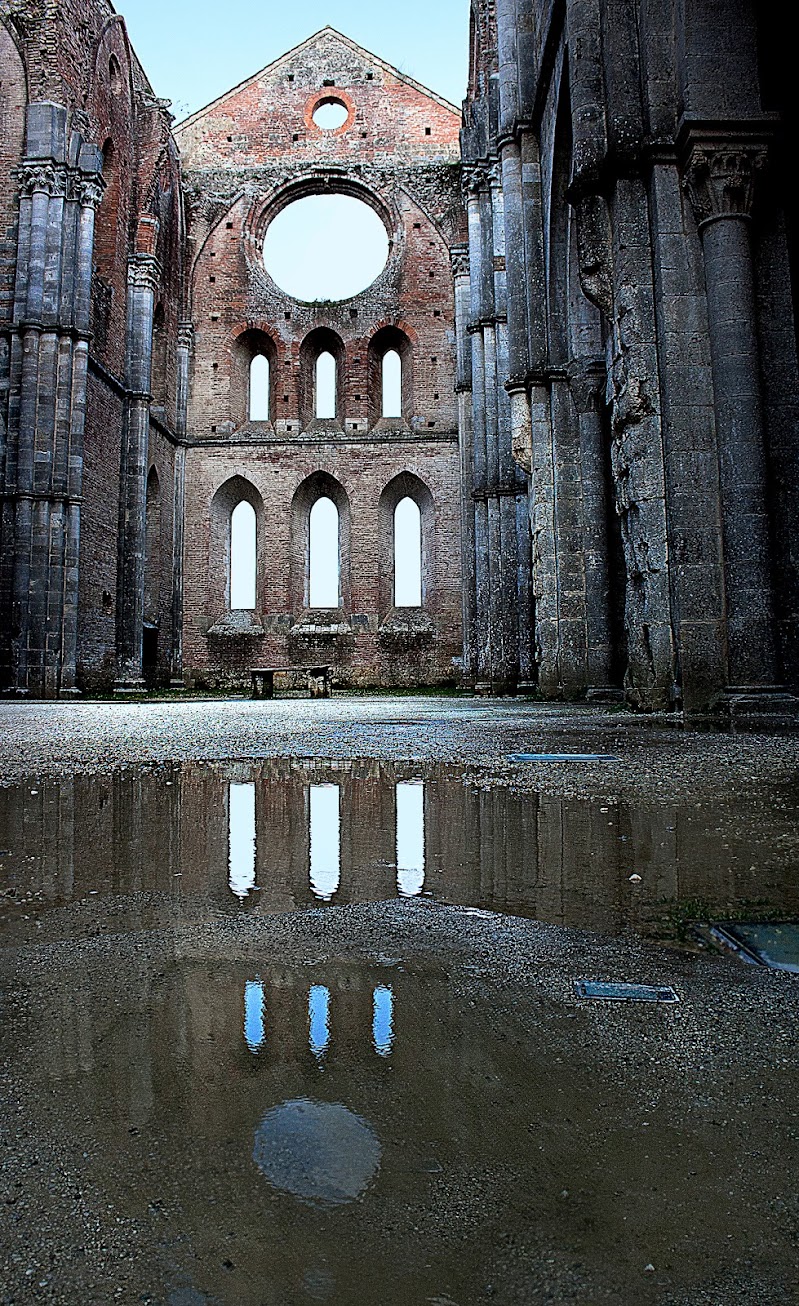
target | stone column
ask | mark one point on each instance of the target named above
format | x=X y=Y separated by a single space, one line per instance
x=143 y=278
x=721 y=179
x=60 y=186
x=185 y=341
x=459 y=255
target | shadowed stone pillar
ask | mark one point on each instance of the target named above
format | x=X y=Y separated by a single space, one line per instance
x=459 y=255
x=185 y=341
x=721 y=178
x=143 y=278
x=60 y=187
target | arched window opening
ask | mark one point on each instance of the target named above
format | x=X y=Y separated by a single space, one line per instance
x=152 y=563
x=410 y=838
x=108 y=216
x=383 y=1021
x=259 y=389
x=407 y=554
x=114 y=75
x=241 y=839
x=243 y=546
x=158 y=379
x=319 y=1020
x=325 y=841
x=254 y=1015
x=324 y=561
x=392 y=384
x=325 y=391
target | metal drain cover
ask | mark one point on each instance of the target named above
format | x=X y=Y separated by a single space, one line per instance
x=625 y=992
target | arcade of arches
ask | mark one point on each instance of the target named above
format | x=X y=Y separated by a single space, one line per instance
x=547 y=442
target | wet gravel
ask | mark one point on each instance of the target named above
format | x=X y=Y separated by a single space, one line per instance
x=656 y=757
x=726 y=1054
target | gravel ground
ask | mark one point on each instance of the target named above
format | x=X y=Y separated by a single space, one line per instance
x=655 y=758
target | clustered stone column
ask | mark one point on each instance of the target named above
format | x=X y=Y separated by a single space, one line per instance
x=144 y=275
x=60 y=187
x=185 y=343
x=721 y=177
x=500 y=654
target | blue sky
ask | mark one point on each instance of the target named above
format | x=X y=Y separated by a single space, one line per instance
x=194 y=50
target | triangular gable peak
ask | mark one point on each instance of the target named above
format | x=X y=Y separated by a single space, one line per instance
x=270 y=115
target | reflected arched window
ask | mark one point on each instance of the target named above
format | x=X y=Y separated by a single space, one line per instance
x=410 y=838
x=325 y=841
x=324 y=562
x=259 y=389
x=392 y=384
x=319 y=1020
x=241 y=839
x=254 y=1015
x=325 y=387
x=242 y=557
x=383 y=1021
x=407 y=555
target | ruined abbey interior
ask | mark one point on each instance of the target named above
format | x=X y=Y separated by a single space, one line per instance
x=585 y=319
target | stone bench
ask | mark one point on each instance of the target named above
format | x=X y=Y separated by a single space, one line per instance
x=263 y=680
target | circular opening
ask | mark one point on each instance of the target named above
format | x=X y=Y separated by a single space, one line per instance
x=331 y=114
x=325 y=247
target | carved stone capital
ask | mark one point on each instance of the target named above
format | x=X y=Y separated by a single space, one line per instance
x=473 y=181
x=459 y=258
x=186 y=336
x=43 y=178
x=721 y=181
x=90 y=190
x=144 y=273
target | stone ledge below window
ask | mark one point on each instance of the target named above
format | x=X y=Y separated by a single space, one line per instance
x=239 y=623
x=321 y=623
x=405 y=625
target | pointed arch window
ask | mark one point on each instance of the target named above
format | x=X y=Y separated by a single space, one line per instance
x=259 y=389
x=324 y=561
x=407 y=554
x=325 y=388
x=392 y=384
x=243 y=546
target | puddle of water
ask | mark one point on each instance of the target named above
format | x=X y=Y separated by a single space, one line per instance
x=343 y=1132
x=143 y=847
x=775 y=946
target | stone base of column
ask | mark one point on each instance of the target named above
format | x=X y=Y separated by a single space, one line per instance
x=72 y=692
x=604 y=694
x=753 y=707
x=177 y=685
x=527 y=689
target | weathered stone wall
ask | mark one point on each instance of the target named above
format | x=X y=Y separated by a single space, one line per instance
x=245 y=158
x=98 y=190
x=652 y=370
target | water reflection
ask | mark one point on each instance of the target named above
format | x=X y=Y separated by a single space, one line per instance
x=410 y=838
x=254 y=1018
x=325 y=836
x=318 y=1151
x=319 y=1020
x=383 y=1021
x=241 y=838
x=286 y=834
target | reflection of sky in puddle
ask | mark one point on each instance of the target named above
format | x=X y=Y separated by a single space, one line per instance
x=383 y=1021
x=317 y=1151
x=241 y=858
x=325 y=837
x=254 y=1015
x=410 y=838
x=319 y=1020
